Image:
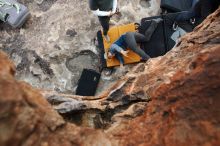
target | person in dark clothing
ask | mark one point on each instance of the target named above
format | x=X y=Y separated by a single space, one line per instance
x=130 y=40
x=201 y=9
x=104 y=9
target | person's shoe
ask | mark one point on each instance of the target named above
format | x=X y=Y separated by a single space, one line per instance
x=145 y=59
x=175 y=26
x=192 y=21
x=107 y=38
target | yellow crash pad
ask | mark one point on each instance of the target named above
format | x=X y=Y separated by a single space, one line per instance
x=114 y=33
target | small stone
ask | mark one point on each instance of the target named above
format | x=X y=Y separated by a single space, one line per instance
x=71 y=32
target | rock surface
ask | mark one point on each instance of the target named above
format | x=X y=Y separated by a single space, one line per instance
x=183 y=86
x=59 y=35
x=27 y=119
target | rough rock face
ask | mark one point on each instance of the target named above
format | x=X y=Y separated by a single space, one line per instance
x=183 y=85
x=27 y=119
x=59 y=35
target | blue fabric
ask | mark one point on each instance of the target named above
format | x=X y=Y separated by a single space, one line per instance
x=115 y=50
x=121 y=42
x=119 y=58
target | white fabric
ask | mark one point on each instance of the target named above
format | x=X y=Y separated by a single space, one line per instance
x=101 y=13
x=115 y=3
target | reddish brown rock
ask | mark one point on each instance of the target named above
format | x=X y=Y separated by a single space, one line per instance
x=27 y=119
x=184 y=87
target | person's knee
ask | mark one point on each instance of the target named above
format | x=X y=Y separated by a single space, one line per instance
x=129 y=36
x=129 y=33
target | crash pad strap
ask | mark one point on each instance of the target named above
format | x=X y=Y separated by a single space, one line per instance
x=114 y=33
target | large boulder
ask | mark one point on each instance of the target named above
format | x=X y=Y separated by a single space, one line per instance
x=27 y=118
x=183 y=85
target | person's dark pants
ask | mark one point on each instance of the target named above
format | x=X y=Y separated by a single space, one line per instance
x=104 y=21
x=132 y=38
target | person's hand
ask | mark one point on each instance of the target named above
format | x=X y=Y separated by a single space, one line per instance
x=125 y=53
x=111 y=13
x=137 y=25
x=117 y=11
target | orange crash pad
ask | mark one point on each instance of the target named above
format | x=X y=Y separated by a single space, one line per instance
x=114 y=33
